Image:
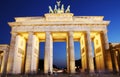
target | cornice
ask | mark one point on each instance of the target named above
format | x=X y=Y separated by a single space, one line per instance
x=57 y=23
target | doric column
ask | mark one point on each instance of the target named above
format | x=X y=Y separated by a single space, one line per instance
x=84 y=52
x=29 y=53
x=71 y=52
x=1 y=62
x=48 y=57
x=18 y=55
x=15 y=55
x=118 y=60
x=32 y=53
x=68 y=56
x=104 y=45
x=106 y=53
x=89 y=51
x=35 y=54
x=51 y=54
x=11 y=53
x=5 y=59
x=106 y=40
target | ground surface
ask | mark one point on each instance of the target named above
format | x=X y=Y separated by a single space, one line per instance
x=66 y=75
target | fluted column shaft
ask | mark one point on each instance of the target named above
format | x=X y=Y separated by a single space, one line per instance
x=4 y=61
x=15 y=63
x=29 y=53
x=48 y=57
x=11 y=53
x=106 y=40
x=71 y=52
x=105 y=47
x=89 y=52
x=32 y=53
x=84 y=52
x=68 y=56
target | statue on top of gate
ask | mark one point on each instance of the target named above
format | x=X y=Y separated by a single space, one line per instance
x=58 y=9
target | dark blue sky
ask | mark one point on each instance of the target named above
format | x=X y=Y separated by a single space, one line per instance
x=20 y=8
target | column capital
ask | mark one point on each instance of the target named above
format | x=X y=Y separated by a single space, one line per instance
x=13 y=33
x=87 y=32
x=105 y=31
x=48 y=32
x=31 y=33
x=70 y=34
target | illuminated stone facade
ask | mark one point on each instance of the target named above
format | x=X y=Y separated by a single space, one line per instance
x=58 y=26
x=115 y=54
x=4 y=50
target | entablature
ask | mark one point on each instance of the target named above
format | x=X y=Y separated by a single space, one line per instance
x=59 y=19
x=58 y=23
x=56 y=28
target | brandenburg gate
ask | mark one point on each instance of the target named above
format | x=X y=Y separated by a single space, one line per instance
x=58 y=25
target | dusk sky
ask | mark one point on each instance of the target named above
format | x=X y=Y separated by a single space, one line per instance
x=110 y=9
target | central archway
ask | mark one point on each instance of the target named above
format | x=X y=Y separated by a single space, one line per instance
x=59 y=60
